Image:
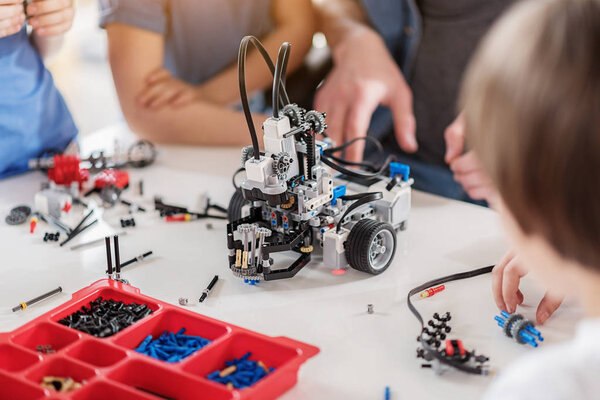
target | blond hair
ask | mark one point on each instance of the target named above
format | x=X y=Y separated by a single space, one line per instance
x=531 y=98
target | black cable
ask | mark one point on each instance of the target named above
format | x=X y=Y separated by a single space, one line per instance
x=343 y=146
x=435 y=282
x=242 y=85
x=279 y=75
x=354 y=173
x=361 y=198
x=235 y=174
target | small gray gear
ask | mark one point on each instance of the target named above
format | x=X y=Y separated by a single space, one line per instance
x=295 y=113
x=247 y=153
x=281 y=163
x=316 y=120
x=517 y=327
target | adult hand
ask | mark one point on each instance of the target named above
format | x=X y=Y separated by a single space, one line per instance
x=365 y=76
x=51 y=17
x=466 y=167
x=162 y=90
x=11 y=17
x=506 y=277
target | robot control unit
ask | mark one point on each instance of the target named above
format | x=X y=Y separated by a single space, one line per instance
x=298 y=196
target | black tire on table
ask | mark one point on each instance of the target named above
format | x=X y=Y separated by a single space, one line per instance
x=234 y=210
x=362 y=252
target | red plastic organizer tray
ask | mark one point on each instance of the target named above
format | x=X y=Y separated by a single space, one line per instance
x=111 y=368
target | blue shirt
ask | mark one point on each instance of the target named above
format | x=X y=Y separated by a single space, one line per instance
x=33 y=115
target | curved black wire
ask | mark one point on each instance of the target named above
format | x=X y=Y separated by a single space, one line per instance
x=435 y=282
x=361 y=198
x=242 y=85
x=235 y=174
x=279 y=76
x=354 y=173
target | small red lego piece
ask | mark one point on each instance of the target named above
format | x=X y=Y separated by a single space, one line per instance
x=114 y=177
x=455 y=347
x=66 y=170
x=432 y=291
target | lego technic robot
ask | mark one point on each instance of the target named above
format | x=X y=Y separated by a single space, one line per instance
x=288 y=200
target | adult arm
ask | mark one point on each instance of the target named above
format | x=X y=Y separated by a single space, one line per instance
x=197 y=123
x=364 y=76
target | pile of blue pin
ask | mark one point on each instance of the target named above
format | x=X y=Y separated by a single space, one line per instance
x=241 y=372
x=104 y=318
x=171 y=347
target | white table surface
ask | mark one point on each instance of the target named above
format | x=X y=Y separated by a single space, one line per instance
x=360 y=353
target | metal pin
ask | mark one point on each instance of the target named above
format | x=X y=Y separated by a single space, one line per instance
x=253 y=244
x=262 y=233
x=117 y=258
x=108 y=257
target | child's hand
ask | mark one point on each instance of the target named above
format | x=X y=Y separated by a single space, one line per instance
x=506 y=277
x=11 y=17
x=162 y=90
x=51 y=17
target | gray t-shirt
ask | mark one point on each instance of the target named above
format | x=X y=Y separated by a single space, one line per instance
x=202 y=37
x=451 y=30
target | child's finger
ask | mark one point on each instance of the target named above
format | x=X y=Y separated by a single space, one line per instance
x=497 y=273
x=511 y=278
x=54 y=29
x=48 y=6
x=547 y=306
x=9 y=31
x=157 y=75
x=12 y=21
x=54 y=18
x=9 y=11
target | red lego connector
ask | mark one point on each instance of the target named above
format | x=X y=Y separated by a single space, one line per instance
x=66 y=170
x=112 y=177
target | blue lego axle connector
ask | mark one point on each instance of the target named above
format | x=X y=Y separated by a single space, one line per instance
x=519 y=328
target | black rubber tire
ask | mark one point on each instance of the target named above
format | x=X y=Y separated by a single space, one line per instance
x=234 y=210
x=359 y=242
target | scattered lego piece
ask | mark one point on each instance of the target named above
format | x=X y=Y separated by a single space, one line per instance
x=60 y=384
x=519 y=328
x=126 y=222
x=388 y=394
x=32 y=224
x=209 y=226
x=183 y=301
x=25 y=304
x=370 y=309
x=171 y=347
x=141 y=187
x=452 y=354
x=104 y=318
x=209 y=288
x=18 y=215
x=241 y=372
x=340 y=271
x=51 y=237
x=430 y=292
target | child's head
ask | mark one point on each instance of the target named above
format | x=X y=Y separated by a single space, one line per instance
x=532 y=111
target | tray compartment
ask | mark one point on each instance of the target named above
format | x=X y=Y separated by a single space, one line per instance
x=97 y=353
x=271 y=353
x=14 y=359
x=173 y=321
x=11 y=388
x=63 y=367
x=166 y=381
x=102 y=390
x=107 y=294
x=45 y=333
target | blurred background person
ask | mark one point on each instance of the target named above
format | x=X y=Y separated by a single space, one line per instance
x=397 y=69
x=174 y=62
x=33 y=115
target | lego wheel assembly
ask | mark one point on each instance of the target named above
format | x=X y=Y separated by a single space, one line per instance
x=371 y=246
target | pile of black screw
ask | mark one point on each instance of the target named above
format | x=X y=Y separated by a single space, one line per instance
x=51 y=237
x=438 y=331
x=104 y=318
